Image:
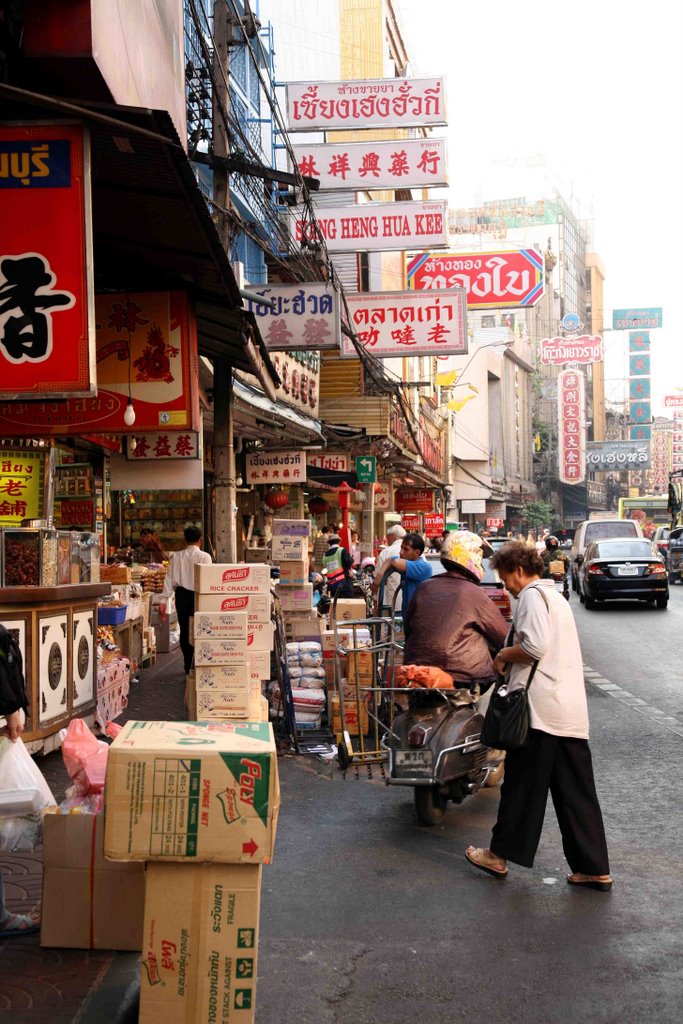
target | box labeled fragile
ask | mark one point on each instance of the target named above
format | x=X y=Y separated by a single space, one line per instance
x=259 y=637
x=200 y=949
x=229 y=704
x=223 y=677
x=290 y=549
x=226 y=625
x=219 y=651
x=350 y=716
x=231 y=579
x=296 y=599
x=292 y=574
x=257 y=606
x=198 y=791
x=88 y=902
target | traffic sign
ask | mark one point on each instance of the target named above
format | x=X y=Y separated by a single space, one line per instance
x=366 y=469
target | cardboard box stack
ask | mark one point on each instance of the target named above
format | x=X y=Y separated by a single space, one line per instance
x=356 y=670
x=233 y=638
x=198 y=801
x=290 y=554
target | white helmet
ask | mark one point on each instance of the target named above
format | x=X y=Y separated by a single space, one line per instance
x=465 y=550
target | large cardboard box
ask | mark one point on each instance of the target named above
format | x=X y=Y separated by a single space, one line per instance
x=198 y=791
x=296 y=599
x=223 y=677
x=199 y=959
x=359 y=667
x=348 y=608
x=308 y=626
x=259 y=637
x=293 y=574
x=350 y=716
x=225 y=625
x=259 y=663
x=88 y=902
x=291 y=527
x=219 y=651
x=290 y=549
x=257 y=606
x=231 y=579
x=230 y=704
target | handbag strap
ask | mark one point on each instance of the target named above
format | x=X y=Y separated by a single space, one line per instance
x=534 y=665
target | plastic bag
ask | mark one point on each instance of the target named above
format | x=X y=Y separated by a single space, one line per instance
x=419 y=676
x=85 y=758
x=19 y=771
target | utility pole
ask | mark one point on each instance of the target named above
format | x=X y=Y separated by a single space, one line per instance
x=223 y=410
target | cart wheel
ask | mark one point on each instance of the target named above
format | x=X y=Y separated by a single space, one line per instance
x=430 y=806
x=343 y=754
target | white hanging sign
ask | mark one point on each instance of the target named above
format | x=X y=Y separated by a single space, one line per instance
x=379 y=227
x=409 y=323
x=407 y=163
x=373 y=103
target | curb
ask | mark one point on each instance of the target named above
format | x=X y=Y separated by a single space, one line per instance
x=117 y=995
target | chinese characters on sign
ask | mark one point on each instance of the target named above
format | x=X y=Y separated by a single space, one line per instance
x=152 y=447
x=306 y=316
x=382 y=497
x=606 y=455
x=22 y=486
x=409 y=163
x=571 y=426
x=677 y=454
x=374 y=103
x=408 y=323
x=493 y=280
x=276 y=467
x=633 y=319
x=299 y=374
x=47 y=324
x=661 y=450
x=585 y=349
x=70 y=513
x=376 y=226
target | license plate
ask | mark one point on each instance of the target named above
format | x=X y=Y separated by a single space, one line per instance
x=627 y=570
x=414 y=762
x=560 y=587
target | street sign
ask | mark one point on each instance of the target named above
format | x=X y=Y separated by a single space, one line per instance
x=632 y=319
x=366 y=469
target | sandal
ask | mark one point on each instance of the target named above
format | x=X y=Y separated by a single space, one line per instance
x=478 y=858
x=603 y=883
x=19 y=924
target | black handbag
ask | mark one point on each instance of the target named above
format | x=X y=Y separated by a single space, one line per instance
x=506 y=722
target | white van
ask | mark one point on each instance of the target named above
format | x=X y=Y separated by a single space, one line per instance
x=598 y=529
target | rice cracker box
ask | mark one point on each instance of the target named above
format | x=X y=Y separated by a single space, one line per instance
x=200 y=948
x=192 y=791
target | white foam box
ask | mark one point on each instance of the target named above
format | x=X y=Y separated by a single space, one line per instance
x=225 y=625
x=219 y=651
x=257 y=606
x=230 y=704
x=259 y=637
x=290 y=549
x=293 y=574
x=224 y=677
x=232 y=579
x=296 y=599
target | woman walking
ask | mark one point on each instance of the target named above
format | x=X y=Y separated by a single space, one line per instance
x=556 y=758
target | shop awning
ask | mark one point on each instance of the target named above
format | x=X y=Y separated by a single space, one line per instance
x=252 y=405
x=152 y=227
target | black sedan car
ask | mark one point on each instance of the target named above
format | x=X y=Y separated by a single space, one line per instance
x=613 y=570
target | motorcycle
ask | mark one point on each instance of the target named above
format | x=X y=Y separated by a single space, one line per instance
x=434 y=746
x=560 y=579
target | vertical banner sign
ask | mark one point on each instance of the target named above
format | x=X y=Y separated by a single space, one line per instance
x=677 y=444
x=47 y=322
x=571 y=426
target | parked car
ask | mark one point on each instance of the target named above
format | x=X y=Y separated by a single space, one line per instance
x=623 y=568
x=492 y=584
x=497 y=542
x=595 y=530
x=660 y=539
x=674 y=554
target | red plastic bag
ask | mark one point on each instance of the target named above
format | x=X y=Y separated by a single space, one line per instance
x=85 y=758
x=423 y=676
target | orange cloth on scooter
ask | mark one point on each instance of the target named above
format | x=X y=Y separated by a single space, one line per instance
x=423 y=676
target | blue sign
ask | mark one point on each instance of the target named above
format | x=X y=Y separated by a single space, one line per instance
x=570 y=323
x=639 y=389
x=641 y=412
x=641 y=433
x=638 y=366
x=636 y=319
x=33 y=163
x=639 y=341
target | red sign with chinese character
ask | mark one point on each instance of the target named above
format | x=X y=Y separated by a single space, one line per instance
x=571 y=426
x=47 y=331
x=146 y=342
x=492 y=280
x=434 y=525
x=164 y=445
x=415 y=499
x=414 y=163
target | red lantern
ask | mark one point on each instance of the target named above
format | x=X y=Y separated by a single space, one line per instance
x=277 y=499
x=318 y=506
x=377 y=488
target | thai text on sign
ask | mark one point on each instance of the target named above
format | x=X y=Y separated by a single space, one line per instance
x=603 y=455
x=627 y=319
x=409 y=163
x=380 y=227
x=276 y=467
x=337 y=462
x=415 y=499
x=585 y=349
x=305 y=316
x=22 y=486
x=493 y=280
x=374 y=103
x=408 y=323
x=571 y=426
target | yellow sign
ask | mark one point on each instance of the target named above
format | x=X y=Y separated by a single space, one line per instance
x=22 y=486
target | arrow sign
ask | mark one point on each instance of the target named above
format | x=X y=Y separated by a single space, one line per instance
x=249 y=847
x=366 y=469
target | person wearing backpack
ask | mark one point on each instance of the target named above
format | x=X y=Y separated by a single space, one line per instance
x=13 y=705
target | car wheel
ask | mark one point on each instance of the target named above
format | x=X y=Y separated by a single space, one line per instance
x=588 y=602
x=580 y=597
x=430 y=806
x=662 y=602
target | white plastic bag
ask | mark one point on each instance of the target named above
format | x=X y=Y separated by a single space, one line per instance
x=19 y=772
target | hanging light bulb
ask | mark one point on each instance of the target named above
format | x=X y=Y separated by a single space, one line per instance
x=129 y=414
x=132 y=443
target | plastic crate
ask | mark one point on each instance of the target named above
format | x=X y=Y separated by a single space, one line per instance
x=111 y=616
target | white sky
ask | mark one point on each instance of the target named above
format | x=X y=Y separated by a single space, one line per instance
x=598 y=88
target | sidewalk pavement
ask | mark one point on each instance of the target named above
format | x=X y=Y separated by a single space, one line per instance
x=73 y=986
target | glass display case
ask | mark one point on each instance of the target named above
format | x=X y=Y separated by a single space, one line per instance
x=29 y=558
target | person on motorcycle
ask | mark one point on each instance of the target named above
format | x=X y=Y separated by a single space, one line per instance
x=553 y=553
x=450 y=622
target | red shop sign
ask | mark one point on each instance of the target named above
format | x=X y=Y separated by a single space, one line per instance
x=47 y=324
x=148 y=338
x=434 y=525
x=493 y=280
x=411 y=524
x=415 y=499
